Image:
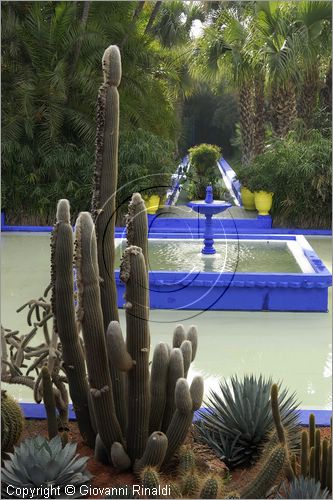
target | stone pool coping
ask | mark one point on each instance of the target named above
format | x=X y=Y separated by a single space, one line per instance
x=37 y=411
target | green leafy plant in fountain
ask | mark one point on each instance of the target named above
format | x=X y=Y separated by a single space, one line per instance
x=39 y=463
x=12 y=422
x=302 y=487
x=239 y=419
x=203 y=159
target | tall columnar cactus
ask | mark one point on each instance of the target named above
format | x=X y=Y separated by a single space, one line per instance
x=63 y=308
x=90 y=316
x=273 y=461
x=137 y=225
x=158 y=386
x=104 y=202
x=175 y=372
x=11 y=422
x=49 y=403
x=133 y=273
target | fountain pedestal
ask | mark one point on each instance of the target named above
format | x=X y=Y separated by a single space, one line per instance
x=209 y=207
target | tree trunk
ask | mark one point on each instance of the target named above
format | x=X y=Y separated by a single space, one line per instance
x=246 y=108
x=309 y=96
x=153 y=15
x=83 y=23
x=326 y=91
x=283 y=103
x=259 y=114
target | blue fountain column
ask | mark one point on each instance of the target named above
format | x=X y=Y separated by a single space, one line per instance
x=208 y=248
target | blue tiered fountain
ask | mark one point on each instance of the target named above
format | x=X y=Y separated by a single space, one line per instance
x=209 y=207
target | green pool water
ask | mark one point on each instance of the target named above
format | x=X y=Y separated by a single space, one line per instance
x=231 y=256
x=293 y=347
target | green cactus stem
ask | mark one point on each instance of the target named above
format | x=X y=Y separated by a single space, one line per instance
x=154 y=453
x=329 y=469
x=186 y=460
x=190 y=484
x=133 y=274
x=12 y=422
x=186 y=349
x=312 y=429
x=265 y=479
x=304 y=453
x=49 y=403
x=104 y=203
x=188 y=399
x=179 y=336
x=175 y=372
x=312 y=462
x=317 y=452
x=323 y=464
x=192 y=335
x=101 y=453
x=137 y=225
x=90 y=316
x=117 y=351
x=158 y=386
x=151 y=480
x=63 y=308
x=210 y=488
x=119 y=457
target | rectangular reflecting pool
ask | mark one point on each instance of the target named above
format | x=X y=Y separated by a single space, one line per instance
x=294 y=348
x=250 y=273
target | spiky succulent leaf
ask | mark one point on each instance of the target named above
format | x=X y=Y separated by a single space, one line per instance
x=239 y=419
x=302 y=487
x=38 y=462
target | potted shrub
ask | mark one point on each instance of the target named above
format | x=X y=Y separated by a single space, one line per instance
x=262 y=181
x=204 y=170
x=247 y=195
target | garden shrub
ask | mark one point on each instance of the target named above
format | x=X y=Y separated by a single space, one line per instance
x=298 y=170
x=204 y=171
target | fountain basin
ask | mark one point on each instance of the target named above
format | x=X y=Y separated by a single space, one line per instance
x=299 y=282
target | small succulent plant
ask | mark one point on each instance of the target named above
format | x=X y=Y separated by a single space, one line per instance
x=302 y=487
x=45 y=467
x=239 y=419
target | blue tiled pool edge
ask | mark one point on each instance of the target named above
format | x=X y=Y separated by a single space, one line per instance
x=37 y=411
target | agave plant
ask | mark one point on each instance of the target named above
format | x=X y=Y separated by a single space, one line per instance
x=302 y=487
x=239 y=419
x=45 y=467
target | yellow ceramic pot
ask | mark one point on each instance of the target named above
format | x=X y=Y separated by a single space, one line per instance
x=152 y=204
x=247 y=199
x=263 y=202
x=162 y=201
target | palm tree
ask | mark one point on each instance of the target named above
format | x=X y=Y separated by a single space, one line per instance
x=313 y=36
x=225 y=53
x=275 y=24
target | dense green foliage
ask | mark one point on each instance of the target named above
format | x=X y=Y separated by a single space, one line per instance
x=204 y=171
x=298 y=170
x=256 y=68
x=239 y=419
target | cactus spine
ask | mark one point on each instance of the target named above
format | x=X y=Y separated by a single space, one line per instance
x=11 y=422
x=49 y=403
x=133 y=273
x=137 y=225
x=91 y=319
x=64 y=318
x=158 y=385
x=187 y=401
x=150 y=480
x=210 y=488
x=104 y=202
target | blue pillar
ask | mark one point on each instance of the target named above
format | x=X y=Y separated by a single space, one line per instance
x=208 y=248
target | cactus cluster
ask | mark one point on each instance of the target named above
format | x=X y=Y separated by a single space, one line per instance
x=11 y=422
x=316 y=456
x=114 y=404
